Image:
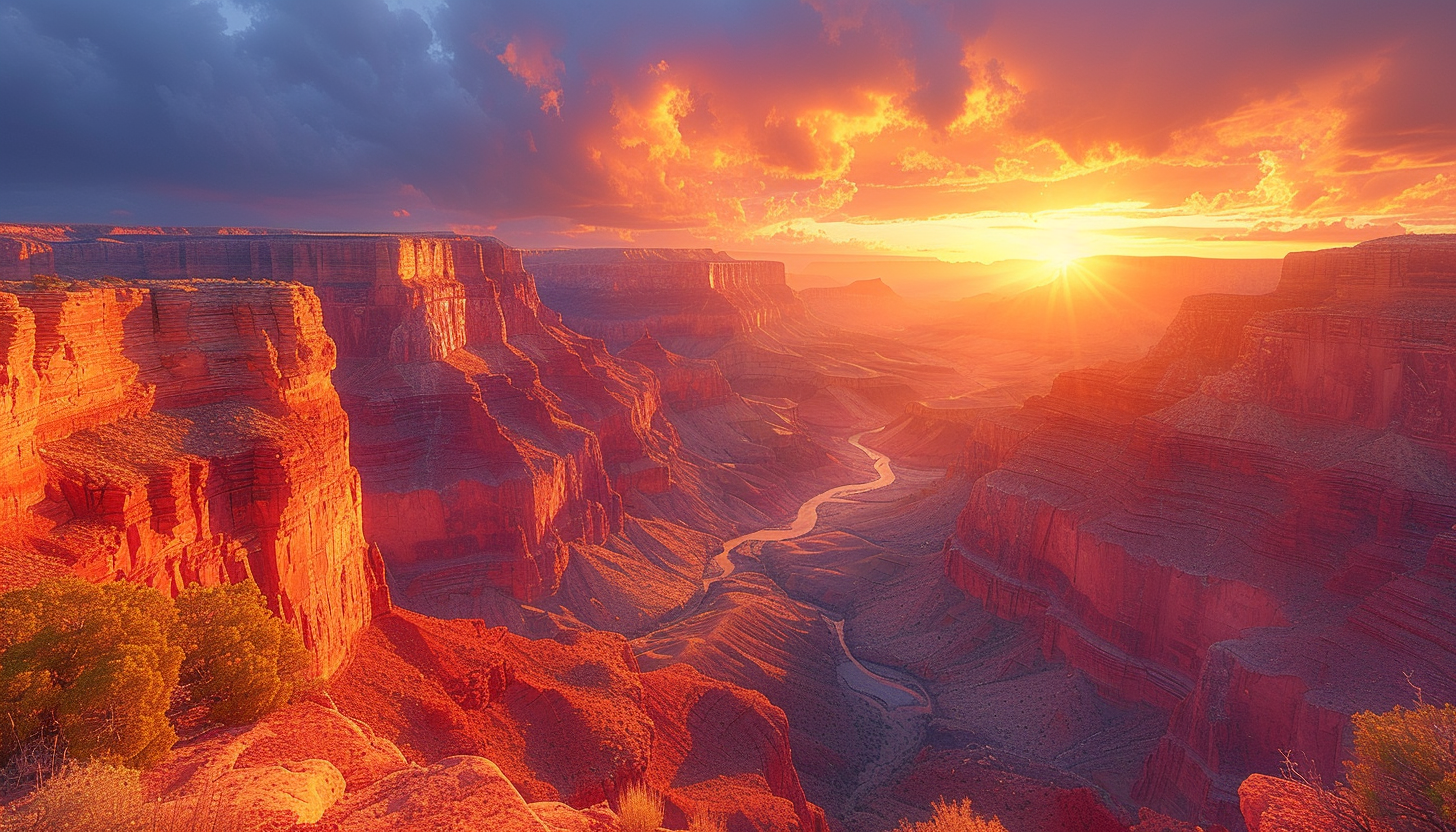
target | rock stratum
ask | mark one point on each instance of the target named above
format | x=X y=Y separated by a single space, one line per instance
x=692 y=300
x=528 y=423
x=1249 y=530
x=492 y=441
x=182 y=432
x=331 y=414
x=742 y=315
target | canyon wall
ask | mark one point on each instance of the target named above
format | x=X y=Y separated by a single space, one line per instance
x=487 y=435
x=178 y=433
x=164 y=427
x=693 y=301
x=1249 y=528
x=743 y=316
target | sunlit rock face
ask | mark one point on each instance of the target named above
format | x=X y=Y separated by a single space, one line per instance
x=181 y=432
x=1250 y=528
x=573 y=720
x=310 y=764
x=487 y=434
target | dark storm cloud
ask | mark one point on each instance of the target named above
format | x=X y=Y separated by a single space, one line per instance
x=640 y=113
x=352 y=96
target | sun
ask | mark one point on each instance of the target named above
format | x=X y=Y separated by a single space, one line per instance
x=1063 y=249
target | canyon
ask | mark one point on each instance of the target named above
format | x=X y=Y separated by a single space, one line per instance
x=1248 y=529
x=1090 y=551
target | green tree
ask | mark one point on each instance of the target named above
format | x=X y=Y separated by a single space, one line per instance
x=94 y=664
x=1404 y=771
x=242 y=660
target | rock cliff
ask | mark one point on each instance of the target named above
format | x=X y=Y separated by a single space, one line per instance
x=167 y=428
x=744 y=317
x=487 y=435
x=182 y=432
x=1248 y=529
x=694 y=301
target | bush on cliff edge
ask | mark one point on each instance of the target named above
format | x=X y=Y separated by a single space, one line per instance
x=1401 y=778
x=242 y=661
x=1404 y=770
x=94 y=667
x=92 y=664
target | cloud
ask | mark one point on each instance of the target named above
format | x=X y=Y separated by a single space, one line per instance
x=726 y=119
x=1335 y=231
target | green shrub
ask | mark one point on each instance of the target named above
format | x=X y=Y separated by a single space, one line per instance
x=49 y=282
x=953 y=817
x=1404 y=768
x=89 y=670
x=242 y=660
x=93 y=663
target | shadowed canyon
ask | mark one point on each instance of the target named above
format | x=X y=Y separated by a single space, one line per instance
x=1101 y=551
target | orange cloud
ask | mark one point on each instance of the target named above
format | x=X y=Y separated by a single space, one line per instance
x=533 y=63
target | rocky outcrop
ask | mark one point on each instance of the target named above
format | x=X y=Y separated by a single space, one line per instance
x=571 y=720
x=310 y=765
x=749 y=781
x=687 y=383
x=22 y=256
x=177 y=433
x=1275 y=804
x=532 y=432
x=1248 y=528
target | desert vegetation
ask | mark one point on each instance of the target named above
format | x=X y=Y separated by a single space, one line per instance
x=707 y=822
x=102 y=672
x=1401 y=778
x=87 y=797
x=640 y=809
x=953 y=817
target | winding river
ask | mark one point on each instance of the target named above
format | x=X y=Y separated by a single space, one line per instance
x=861 y=678
x=808 y=515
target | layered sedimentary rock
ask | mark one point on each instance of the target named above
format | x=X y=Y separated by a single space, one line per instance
x=743 y=316
x=693 y=300
x=1248 y=529
x=178 y=433
x=487 y=435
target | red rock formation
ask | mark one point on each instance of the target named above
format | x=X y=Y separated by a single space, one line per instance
x=534 y=431
x=572 y=720
x=492 y=441
x=693 y=300
x=1249 y=528
x=1273 y=804
x=23 y=256
x=750 y=781
x=180 y=433
x=687 y=384
x=312 y=766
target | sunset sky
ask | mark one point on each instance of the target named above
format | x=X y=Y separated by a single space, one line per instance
x=1046 y=129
